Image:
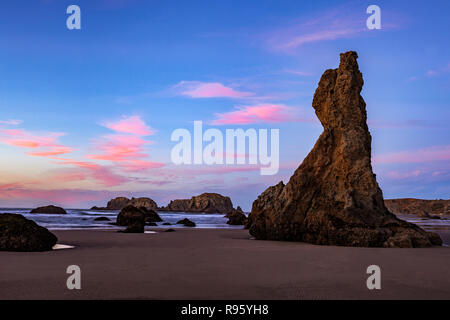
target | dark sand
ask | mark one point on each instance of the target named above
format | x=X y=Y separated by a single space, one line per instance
x=220 y=264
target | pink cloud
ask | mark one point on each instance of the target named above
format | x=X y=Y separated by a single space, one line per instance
x=132 y=125
x=88 y=170
x=196 y=89
x=272 y=113
x=47 y=145
x=127 y=149
x=435 y=153
x=21 y=195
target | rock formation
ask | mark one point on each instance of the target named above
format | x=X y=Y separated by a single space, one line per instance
x=187 y=223
x=20 y=234
x=121 y=202
x=49 y=210
x=150 y=215
x=206 y=202
x=333 y=197
x=236 y=217
x=131 y=215
x=134 y=228
x=419 y=207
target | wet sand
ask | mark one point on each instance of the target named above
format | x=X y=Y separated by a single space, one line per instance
x=220 y=264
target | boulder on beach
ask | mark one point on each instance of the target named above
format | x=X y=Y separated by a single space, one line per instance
x=49 y=210
x=206 y=202
x=236 y=217
x=130 y=214
x=186 y=222
x=150 y=215
x=20 y=234
x=333 y=197
x=134 y=228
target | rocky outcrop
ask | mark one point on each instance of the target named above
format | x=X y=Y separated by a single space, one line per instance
x=419 y=207
x=121 y=202
x=236 y=217
x=206 y=202
x=150 y=215
x=131 y=215
x=49 y=210
x=20 y=234
x=186 y=222
x=333 y=197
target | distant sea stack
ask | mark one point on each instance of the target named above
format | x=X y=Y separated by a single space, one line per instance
x=206 y=202
x=333 y=197
x=49 y=210
x=121 y=202
x=419 y=207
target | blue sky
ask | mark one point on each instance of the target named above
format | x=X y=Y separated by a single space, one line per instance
x=141 y=60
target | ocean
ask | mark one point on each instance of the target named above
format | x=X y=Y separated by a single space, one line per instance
x=84 y=219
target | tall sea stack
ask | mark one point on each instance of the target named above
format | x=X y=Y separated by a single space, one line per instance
x=333 y=198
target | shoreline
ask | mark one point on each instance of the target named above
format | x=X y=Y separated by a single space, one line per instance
x=219 y=264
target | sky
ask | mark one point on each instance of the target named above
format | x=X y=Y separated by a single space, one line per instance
x=87 y=115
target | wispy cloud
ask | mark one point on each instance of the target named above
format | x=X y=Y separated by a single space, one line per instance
x=132 y=124
x=438 y=71
x=332 y=25
x=269 y=113
x=197 y=89
x=42 y=144
x=126 y=149
x=11 y=122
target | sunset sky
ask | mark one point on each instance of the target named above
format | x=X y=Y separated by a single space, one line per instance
x=87 y=115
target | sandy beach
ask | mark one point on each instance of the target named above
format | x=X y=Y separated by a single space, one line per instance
x=220 y=264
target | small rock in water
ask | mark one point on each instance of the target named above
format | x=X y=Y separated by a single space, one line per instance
x=49 y=210
x=101 y=219
x=187 y=223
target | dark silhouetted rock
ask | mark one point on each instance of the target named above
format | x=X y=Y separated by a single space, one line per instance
x=166 y=224
x=152 y=224
x=134 y=228
x=150 y=215
x=169 y=230
x=130 y=215
x=20 y=234
x=49 y=210
x=95 y=208
x=333 y=198
x=236 y=217
x=121 y=202
x=186 y=222
x=101 y=219
x=206 y=202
